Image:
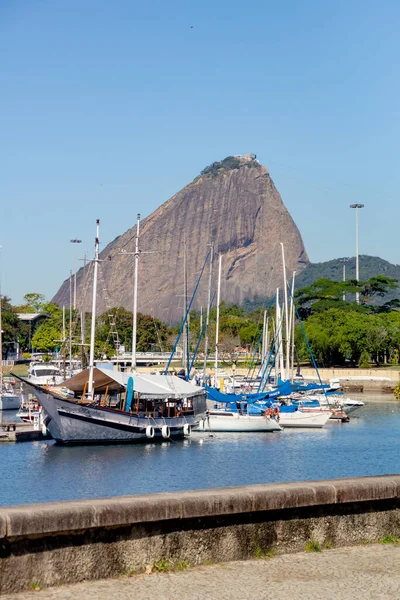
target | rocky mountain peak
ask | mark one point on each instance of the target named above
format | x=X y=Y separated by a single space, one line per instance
x=234 y=205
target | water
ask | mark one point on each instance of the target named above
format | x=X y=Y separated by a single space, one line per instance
x=43 y=471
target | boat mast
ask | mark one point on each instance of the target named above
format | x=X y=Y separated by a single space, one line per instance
x=217 y=323
x=135 y=294
x=208 y=311
x=93 y=325
x=263 y=341
x=63 y=324
x=279 y=368
x=286 y=316
x=83 y=316
x=186 y=343
x=291 y=326
x=70 y=322
x=1 y=344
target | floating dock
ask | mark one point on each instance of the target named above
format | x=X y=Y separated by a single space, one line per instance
x=20 y=432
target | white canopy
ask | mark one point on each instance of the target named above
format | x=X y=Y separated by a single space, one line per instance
x=160 y=386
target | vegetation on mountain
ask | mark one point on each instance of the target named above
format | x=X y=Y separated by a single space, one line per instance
x=370 y=268
x=229 y=163
x=325 y=293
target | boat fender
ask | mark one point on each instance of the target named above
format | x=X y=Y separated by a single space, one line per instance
x=165 y=432
x=201 y=425
x=276 y=412
x=150 y=431
x=187 y=430
x=44 y=429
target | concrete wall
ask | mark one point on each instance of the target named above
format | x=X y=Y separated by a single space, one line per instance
x=67 y=542
x=380 y=374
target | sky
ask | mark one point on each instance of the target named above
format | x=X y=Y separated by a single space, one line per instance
x=109 y=108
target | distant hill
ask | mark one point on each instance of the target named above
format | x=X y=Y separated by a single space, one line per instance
x=333 y=269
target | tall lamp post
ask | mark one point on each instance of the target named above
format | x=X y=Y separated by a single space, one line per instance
x=344 y=261
x=357 y=206
x=75 y=242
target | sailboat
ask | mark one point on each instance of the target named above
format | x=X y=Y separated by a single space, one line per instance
x=9 y=400
x=106 y=406
x=231 y=411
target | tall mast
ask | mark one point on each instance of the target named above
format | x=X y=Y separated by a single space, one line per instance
x=1 y=343
x=70 y=322
x=83 y=316
x=263 y=339
x=217 y=323
x=93 y=326
x=208 y=309
x=291 y=326
x=286 y=315
x=135 y=295
x=186 y=343
x=277 y=349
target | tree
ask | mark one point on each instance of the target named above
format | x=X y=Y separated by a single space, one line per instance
x=48 y=335
x=12 y=328
x=326 y=293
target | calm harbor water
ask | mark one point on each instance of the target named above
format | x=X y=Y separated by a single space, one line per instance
x=42 y=471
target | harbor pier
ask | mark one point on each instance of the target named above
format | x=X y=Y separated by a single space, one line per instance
x=62 y=543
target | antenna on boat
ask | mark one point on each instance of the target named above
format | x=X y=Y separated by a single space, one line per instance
x=93 y=326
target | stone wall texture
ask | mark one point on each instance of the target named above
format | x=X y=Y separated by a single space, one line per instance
x=73 y=541
x=239 y=210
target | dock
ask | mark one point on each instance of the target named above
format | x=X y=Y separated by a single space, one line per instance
x=21 y=432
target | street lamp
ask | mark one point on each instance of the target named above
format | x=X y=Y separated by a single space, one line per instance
x=75 y=242
x=357 y=206
x=344 y=261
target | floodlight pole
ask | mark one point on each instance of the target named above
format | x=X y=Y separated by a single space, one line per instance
x=344 y=261
x=357 y=206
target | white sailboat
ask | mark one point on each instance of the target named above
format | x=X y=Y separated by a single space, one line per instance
x=222 y=418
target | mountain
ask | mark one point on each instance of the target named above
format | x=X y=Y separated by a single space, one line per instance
x=369 y=266
x=233 y=204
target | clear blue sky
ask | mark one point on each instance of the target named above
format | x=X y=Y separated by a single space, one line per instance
x=109 y=108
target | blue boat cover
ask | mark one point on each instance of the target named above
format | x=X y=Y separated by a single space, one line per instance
x=217 y=396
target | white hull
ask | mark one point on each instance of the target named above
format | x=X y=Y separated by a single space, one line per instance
x=45 y=380
x=220 y=421
x=309 y=420
x=9 y=401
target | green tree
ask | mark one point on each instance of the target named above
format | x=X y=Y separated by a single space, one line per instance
x=34 y=302
x=12 y=327
x=48 y=335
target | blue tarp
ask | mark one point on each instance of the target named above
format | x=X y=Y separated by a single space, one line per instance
x=214 y=394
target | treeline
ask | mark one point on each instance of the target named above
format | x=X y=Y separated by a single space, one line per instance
x=50 y=335
x=337 y=329
x=340 y=331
